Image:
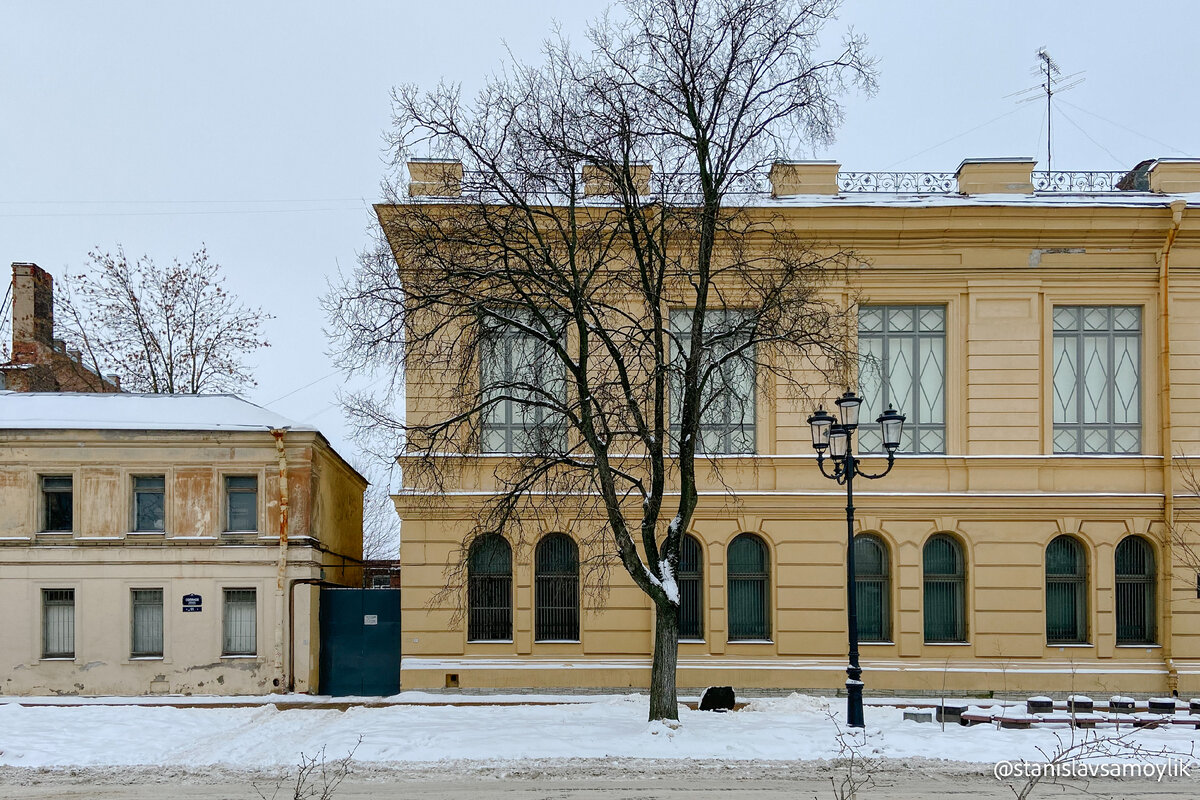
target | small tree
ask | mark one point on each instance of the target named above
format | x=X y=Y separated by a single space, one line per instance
x=165 y=330
x=595 y=280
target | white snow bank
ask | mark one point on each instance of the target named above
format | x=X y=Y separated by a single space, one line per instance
x=796 y=727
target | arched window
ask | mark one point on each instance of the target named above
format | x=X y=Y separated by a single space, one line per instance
x=1136 y=613
x=945 y=590
x=873 y=588
x=689 y=577
x=1066 y=591
x=749 y=575
x=489 y=589
x=556 y=568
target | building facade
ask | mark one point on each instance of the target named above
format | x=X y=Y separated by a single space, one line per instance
x=166 y=544
x=1041 y=331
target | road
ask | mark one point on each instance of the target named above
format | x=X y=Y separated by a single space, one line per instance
x=580 y=780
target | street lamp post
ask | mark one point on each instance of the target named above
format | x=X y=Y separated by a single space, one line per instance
x=836 y=435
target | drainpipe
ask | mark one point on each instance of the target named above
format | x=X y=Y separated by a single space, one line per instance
x=1166 y=574
x=281 y=571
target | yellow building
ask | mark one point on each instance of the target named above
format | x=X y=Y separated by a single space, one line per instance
x=1042 y=333
x=166 y=544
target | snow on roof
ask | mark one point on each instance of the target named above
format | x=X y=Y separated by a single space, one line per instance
x=137 y=412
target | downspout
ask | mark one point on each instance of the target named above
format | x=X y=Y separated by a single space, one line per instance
x=1167 y=444
x=281 y=680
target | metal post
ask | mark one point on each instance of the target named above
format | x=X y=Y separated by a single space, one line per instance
x=854 y=684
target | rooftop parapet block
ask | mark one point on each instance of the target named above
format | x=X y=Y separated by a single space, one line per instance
x=804 y=177
x=435 y=177
x=1175 y=175
x=596 y=182
x=996 y=176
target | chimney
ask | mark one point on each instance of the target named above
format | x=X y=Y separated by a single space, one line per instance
x=33 y=312
x=596 y=182
x=114 y=379
x=435 y=177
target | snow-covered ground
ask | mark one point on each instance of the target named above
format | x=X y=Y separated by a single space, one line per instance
x=789 y=728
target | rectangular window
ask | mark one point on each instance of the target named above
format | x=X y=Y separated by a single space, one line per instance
x=58 y=623
x=57 y=503
x=241 y=503
x=519 y=374
x=902 y=362
x=240 y=623
x=1097 y=379
x=149 y=503
x=728 y=403
x=146 y=623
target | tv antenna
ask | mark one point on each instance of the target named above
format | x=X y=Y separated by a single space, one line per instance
x=1052 y=82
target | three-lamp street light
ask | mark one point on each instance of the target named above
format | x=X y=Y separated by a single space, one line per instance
x=836 y=436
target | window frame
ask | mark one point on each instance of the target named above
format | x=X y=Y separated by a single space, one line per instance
x=884 y=582
x=489 y=584
x=728 y=428
x=134 y=653
x=492 y=330
x=875 y=401
x=1080 y=584
x=44 y=505
x=135 y=492
x=226 y=496
x=546 y=583
x=691 y=577
x=956 y=580
x=1077 y=335
x=762 y=578
x=46 y=603
x=226 y=650
x=1147 y=582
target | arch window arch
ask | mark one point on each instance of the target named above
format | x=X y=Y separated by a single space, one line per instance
x=1066 y=591
x=873 y=588
x=690 y=578
x=945 y=590
x=489 y=589
x=1136 y=578
x=749 y=574
x=556 y=579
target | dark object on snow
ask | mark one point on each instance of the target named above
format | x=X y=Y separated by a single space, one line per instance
x=1080 y=705
x=951 y=714
x=1121 y=704
x=1138 y=178
x=918 y=715
x=717 y=698
x=1040 y=705
x=1162 y=705
x=1194 y=706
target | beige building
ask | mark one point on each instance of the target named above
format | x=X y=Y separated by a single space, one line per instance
x=166 y=543
x=1042 y=333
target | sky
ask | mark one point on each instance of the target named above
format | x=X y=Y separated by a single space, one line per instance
x=257 y=128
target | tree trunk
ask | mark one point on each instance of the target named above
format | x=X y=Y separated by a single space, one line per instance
x=663 y=697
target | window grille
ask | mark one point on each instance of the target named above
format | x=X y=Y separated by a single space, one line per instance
x=240 y=634
x=749 y=575
x=872 y=588
x=57 y=504
x=518 y=371
x=147 y=623
x=902 y=352
x=557 y=589
x=690 y=579
x=489 y=589
x=241 y=503
x=727 y=410
x=1097 y=379
x=58 y=623
x=945 y=590
x=1136 y=579
x=149 y=503
x=1066 y=592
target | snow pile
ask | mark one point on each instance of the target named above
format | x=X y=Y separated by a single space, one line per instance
x=797 y=727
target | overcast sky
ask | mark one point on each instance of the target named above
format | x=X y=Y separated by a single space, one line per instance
x=255 y=128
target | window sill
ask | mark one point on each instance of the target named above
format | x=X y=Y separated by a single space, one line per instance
x=146 y=533
x=749 y=641
x=1146 y=646
x=877 y=644
x=486 y=641
x=1061 y=645
x=145 y=658
x=57 y=658
x=557 y=641
x=947 y=644
x=692 y=641
x=240 y=655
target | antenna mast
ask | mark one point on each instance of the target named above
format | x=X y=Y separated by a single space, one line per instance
x=1050 y=73
x=1052 y=82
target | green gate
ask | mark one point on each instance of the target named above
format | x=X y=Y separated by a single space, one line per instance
x=360 y=642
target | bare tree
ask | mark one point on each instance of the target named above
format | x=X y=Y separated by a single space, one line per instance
x=598 y=283
x=165 y=330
